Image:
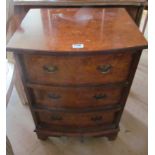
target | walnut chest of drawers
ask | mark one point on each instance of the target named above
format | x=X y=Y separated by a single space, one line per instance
x=77 y=66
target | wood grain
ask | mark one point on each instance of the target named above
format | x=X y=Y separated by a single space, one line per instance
x=22 y=7
x=76 y=120
x=93 y=64
x=91 y=97
x=77 y=69
x=57 y=30
x=78 y=2
x=132 y=138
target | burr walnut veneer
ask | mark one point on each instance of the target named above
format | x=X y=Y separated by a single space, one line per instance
x=77 y=67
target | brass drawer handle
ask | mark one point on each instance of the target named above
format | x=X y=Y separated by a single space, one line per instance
x=104 y=69
x=96 y=118
x=53 y=96
x=100 y=96
x=56 y=118
x=50 y=69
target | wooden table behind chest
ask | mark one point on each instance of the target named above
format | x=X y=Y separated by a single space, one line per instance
x=134 y=7
x=77 y=66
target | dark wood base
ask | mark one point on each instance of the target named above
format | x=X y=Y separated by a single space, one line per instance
x=112 y=137
x=111 y=134
x=42 y=136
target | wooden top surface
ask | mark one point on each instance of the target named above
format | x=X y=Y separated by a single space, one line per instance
x=77 y=2
x=76 y=30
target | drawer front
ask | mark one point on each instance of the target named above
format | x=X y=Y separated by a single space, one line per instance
x=76 y=97
x=88 y=119
x=77 y=69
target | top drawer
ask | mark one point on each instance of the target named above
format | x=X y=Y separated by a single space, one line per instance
x=97 y=69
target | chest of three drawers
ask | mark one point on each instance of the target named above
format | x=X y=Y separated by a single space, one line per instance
x=78 y=92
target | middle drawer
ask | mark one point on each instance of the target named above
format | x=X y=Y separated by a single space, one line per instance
x=75 y=97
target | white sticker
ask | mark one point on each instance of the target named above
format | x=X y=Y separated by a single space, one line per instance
x=77 y=46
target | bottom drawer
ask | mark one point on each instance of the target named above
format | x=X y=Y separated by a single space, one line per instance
x=87 y=119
